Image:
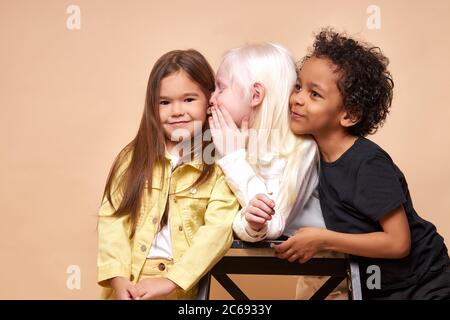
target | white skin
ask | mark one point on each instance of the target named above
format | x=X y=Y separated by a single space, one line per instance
x=230 y=97
x=229 y=122
x=181 y=103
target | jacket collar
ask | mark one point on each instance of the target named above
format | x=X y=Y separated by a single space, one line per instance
x=193 y=160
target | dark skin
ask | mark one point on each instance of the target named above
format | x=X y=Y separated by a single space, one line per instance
x=317 y=109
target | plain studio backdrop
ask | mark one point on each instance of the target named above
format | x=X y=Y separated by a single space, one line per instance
x=72 y=87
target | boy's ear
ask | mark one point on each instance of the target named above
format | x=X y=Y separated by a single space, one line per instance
x=258 y=94
x=349 y=120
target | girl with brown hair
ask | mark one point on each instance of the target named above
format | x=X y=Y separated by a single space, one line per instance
x=167 y=212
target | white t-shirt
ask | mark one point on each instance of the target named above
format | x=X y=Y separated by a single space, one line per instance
x=162 y=244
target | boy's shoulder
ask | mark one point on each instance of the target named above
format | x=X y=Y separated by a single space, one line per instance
x=366 y=150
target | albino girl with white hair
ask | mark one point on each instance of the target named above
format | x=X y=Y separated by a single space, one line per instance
x=274 y=174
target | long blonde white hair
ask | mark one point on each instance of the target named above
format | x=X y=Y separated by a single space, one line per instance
x=273 y=66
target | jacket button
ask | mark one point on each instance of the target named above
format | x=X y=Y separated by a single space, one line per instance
x=154 y=220
x=132 y=277
x=143 y=248
x=162 y=267
x=175 y=200
x=180 y=228
x=193 y=190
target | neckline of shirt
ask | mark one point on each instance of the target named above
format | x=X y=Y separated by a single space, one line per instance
x=343 y=156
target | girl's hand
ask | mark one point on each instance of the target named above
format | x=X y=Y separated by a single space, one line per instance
x=302 y=246
x=151 y=288
x=124 y=288
x=227 y=137
x=259 y=210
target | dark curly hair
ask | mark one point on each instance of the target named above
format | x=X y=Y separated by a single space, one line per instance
x=364 y=82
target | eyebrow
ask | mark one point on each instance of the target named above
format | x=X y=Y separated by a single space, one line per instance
x=187 y=94
x=317 y=86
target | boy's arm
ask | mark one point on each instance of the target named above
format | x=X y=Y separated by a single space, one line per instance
x=394 y=242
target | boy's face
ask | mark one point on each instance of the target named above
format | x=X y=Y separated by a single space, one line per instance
x=316 y=103
x=230 y=96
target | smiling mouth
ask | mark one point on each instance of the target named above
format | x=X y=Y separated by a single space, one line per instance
x=296 y=115
x=178 y=123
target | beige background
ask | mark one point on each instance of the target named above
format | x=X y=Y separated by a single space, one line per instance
x=71 y=99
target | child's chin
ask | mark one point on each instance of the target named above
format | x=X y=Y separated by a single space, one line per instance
x=296 y=129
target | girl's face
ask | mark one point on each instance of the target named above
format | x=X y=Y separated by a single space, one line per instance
x=231 y=97
x=182 y=104
x=316 y=103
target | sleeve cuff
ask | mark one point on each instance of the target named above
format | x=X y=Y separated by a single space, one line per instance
x=112 y=270
x=182 y=278
x=256 y=234
x=230 y=159
x=243 y=230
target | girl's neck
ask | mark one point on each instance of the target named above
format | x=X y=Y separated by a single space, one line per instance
x=184 y=149
x=174 y=148
x=170 y=145
x=333 y=145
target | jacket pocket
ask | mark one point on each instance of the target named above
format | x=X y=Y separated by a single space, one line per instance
x=192 y=204
x=194 y=201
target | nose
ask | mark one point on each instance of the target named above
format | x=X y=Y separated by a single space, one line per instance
x=177 y=109
x=213 y=100
x=298 y=99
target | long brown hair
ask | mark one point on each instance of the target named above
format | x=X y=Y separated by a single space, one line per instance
x=148 y=147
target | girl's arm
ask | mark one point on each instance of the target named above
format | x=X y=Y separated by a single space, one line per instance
x=246 y=184
x=114 y=248
x=394 y=242
x=211 y=241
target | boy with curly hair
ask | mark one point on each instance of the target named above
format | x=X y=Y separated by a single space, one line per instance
x=343 y=93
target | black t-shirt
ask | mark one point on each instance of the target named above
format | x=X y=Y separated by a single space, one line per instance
x=356 y=191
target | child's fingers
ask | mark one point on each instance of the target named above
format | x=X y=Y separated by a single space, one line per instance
x=139 y=292
x=304 y=259
x=222 y=121
x=264 y=198
x=285 y=255
x=259 y=213
x=282 y=247
x=211 y=122
x=133 y=292
x=215 y=118
x=261 y=205
x=227 y=117
x=254 y=219
x=146 y=296
x=294 y=257
x=123 y=295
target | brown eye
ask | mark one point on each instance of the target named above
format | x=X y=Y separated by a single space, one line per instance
x=315 y=94
x=164 y=102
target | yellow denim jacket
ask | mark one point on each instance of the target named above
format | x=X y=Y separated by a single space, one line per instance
x=200 y=220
